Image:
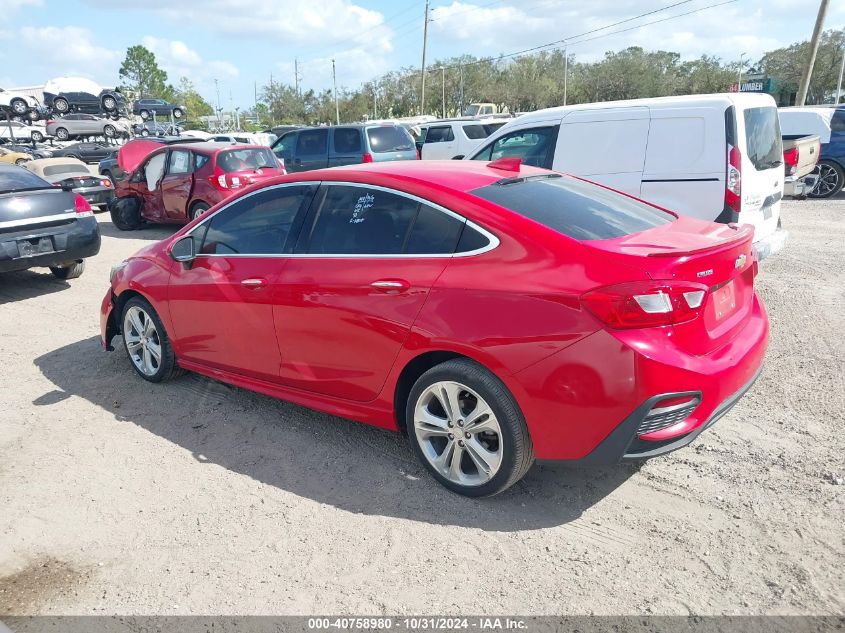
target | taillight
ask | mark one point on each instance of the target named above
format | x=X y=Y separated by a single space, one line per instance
x=790 y=159
x=81 y=206
x=105 y=182
x=367 y=158
x=218 y=179
x=646 y=303
x=733 y=179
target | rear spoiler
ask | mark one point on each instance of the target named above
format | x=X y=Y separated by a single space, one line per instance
x=743 y=232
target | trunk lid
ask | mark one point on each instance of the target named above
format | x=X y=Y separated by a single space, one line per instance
x=33 y=207
x=717 y=256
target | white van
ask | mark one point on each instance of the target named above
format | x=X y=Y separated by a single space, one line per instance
x=716 y=157
x=448 y=139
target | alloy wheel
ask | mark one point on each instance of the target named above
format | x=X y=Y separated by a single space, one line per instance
x=828 y=181
x=19 y=107
x=142 y=340
x=458 y=433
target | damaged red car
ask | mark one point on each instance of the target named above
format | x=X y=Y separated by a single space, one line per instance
x=176 y=183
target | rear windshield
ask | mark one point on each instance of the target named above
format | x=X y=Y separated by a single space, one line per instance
x=762 y=138
x=20 y=179
x=575 y=208
x=389 y=138
x=55 y=170
x=246 y=159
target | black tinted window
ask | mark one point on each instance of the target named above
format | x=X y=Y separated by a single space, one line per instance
x=534 y=146
x=434 y=233
x=361 y=221
x=260 y=224
x=471 y=240
x=837 y=123
x=389 y=138
x=200 y=160
x=575 y=208
x=440 y=134
x=762 y=137
x=347 y=140
x=475 y=131
x=20 y=179
x=312 y=142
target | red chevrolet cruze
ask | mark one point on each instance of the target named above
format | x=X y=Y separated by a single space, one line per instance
x=495 y=313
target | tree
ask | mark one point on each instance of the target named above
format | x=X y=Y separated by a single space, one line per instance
x=193 y=101
x=786 y=64
x=141 y=75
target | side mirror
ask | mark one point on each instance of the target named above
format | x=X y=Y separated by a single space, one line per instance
x=182 y=250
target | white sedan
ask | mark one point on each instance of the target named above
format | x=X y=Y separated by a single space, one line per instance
x=21 y=131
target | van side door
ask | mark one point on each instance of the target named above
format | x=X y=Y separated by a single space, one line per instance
x=346 y=146
x=311 y=150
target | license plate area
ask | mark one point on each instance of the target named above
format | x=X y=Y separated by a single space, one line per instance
x=35 y=246
x=724 y=300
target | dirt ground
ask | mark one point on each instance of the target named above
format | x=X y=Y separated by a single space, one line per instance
x=192 y=497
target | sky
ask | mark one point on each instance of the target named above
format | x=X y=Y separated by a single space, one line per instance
x=243 y=42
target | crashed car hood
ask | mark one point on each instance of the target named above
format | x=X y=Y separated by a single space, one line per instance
x=132 y=153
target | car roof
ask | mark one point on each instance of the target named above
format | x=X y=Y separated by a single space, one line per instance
x=457 y=176
x=211 y=146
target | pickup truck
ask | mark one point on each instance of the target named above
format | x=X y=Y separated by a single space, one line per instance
x=829 y=124
x=800 y=156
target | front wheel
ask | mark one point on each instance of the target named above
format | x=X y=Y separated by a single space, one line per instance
x=61 y=105
x=19 y=106
x=62 y=134
x=109 y=104
x=144 y=114
x=177 y=113
x=146 y=341
x=831 y=178
x=126 y=214
x=467 y=429
x=21 y=162
x=69 y=272
x=37 y=137
x=109 y=131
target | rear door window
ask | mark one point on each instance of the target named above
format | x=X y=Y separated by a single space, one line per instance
x=475 y=131
x=762 y=137
x=574 y=208
x=179 y=162
x=535 y=146
x=347 y=140
x=389 y=138
x=312 y=142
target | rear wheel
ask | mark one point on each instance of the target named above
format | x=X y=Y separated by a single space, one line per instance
x=109 y=131
x=21 y=162
x=109 y=104
x=177 y=113
x=198 y=209
x=146 y=341
x=467 y=429
x=145 y=132
x=62 y=134
x=72 y=271
x=144 y=114
x=37 y=137
x=830 y=182
x=61 y=105
x=126 y=214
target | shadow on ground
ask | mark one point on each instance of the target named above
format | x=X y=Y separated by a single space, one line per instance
x=351 y=466
x=28 y=284
x=146 y=232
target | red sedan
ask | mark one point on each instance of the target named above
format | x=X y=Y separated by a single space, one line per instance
x=494 y=313
x=176 y=183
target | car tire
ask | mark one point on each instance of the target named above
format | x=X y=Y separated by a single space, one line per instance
x=21 y=162
x=489 y=460
x=145 y=114
x=69 y=272
x=109 y=103
x=33 y=115
x=126 y=214
x=143 y=336
x=145 y=132
x=19 y=106
x=109 y=131
x=830 y=182
x=74 y=156
x=62 y=134
x=198 y=209
x=177 y=113
x=37 y=137
x=61 y=105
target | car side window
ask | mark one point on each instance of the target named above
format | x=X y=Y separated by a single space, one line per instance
x=361 y=220
x=346 y=140
x=434 y=232
x=265 y=223
x=312 y=142
x=200 y=160
x=179 y=162
x=440 y=134
x=533 y=145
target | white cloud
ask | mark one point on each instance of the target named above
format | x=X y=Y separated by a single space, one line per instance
x=10 y=6
x=179 y=60
x=54 y=51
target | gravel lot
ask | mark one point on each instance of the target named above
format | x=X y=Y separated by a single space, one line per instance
x=122 y=497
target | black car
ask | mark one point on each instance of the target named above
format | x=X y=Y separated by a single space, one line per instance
x=86 y=152
x=146 y=107
x=44 y=225
x=75 y=94
x=148 y=128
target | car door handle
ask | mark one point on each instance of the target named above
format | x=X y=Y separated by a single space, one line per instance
x=254 y=283
x=396 y=285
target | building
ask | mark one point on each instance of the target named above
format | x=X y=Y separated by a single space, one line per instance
x=756 y=81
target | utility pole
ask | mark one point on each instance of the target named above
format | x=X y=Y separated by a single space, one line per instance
x=336 y=106
x=839 y=81
x=443 y=88
x=296 y=75
x=217 y=89
x=425 y=42
x=462 y=87
x=811 y=59
x=375 y=101
x=739 y=73
x=565 y=72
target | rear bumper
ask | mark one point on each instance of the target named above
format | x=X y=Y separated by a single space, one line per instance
x=771 y=244
x=98 y=196
x=797 y=187
x=69 y=242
